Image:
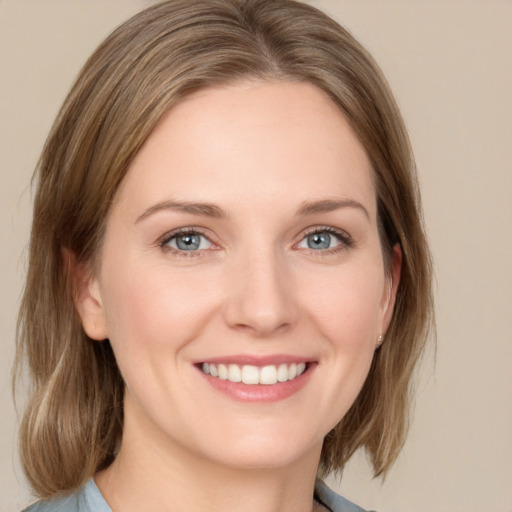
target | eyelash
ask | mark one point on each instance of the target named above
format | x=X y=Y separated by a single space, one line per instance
x=346 y=241
x=162 y=243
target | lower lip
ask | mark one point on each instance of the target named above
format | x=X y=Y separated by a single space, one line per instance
x=260 y=392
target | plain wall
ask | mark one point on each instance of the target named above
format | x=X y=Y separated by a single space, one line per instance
x=449 y=64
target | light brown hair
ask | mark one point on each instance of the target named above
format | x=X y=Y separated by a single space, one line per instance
x=74 y=419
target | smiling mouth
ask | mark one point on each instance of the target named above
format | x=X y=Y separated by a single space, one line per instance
x=254 y=375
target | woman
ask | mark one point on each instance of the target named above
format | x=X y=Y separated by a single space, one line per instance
x=229 y=284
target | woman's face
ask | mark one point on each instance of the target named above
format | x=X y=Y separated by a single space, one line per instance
x=242 y=244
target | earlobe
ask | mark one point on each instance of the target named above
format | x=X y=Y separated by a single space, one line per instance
x=86 y=297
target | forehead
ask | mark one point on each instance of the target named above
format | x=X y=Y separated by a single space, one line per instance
x=251 y=140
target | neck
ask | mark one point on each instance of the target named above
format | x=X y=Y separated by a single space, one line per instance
x=152 y=472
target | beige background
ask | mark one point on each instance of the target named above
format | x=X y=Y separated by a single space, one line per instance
x=449 y=63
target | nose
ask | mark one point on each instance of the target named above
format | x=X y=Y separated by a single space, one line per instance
x=261 y=301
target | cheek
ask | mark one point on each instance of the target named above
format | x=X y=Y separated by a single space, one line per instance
x=155 y=309
x=347 y=304
x=346 y=310
x=151 y=320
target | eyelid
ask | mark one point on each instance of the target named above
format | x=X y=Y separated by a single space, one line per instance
x=346 y=241
x=189 y=230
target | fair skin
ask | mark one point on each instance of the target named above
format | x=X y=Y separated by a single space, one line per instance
x=244 y=235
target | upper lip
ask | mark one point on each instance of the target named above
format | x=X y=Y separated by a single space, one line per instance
x=256 y=360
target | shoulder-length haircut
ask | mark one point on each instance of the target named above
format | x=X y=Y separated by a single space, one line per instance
x=74 y=419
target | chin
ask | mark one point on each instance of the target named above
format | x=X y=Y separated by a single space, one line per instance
x=266 y=448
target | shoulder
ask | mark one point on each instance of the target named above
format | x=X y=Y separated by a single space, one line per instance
x=86 y=499
x=67 y=503
x=334 y=502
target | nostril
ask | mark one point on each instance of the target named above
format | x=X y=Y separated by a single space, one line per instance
x=262 y=329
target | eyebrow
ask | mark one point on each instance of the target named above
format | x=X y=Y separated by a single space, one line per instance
x=202 y=209
x=211 y=210
x=329 y=205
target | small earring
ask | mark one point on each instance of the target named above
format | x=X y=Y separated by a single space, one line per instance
x=379 y=341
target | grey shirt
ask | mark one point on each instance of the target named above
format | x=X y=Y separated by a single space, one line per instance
x=89 y=499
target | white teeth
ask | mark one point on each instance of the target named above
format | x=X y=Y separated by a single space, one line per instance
x=251 y=375
x=223 y=372
x=234 y=373
x=282 y=373
x=268 y=375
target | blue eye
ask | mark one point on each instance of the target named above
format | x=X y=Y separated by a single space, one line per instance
x=324 y=239
x=319 y=240
x=190 y=242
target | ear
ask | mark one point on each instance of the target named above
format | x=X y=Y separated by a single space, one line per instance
x=392 y=281
x=86 y=296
